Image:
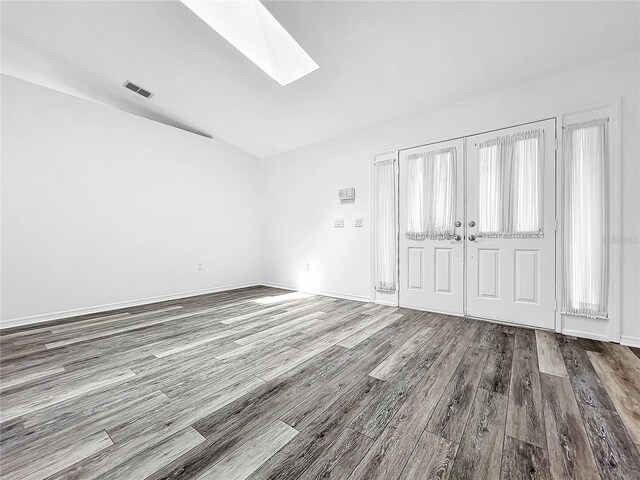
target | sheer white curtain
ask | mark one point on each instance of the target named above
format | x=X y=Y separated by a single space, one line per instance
x=431 y=195
x=585 y=250
x=385 y=227
x=510 y=185
x=528 y=185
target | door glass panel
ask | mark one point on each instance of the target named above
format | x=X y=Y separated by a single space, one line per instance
x=527 y=198
x=489 y=191
x=431 y=195
x=510 y=185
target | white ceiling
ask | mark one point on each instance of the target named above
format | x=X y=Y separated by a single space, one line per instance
x=378 y=60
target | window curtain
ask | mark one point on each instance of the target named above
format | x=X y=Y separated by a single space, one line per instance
x=385 y=227
x=585 y=250
x=431 y=195
x=510 y=181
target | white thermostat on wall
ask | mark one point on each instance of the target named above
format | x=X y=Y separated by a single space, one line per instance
x=347 y=194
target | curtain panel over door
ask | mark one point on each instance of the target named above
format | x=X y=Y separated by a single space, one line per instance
x=585 y=207
x=510 y=181
x=385 y=226
x=431 y=195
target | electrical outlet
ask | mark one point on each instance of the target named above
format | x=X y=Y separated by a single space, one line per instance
x=339 y=223
x=359 y=222
x=308 y=267
x=199 y=266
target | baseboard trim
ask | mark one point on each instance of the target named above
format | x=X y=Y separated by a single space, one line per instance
x=630 y=341
x=48 y=317
x=326 y=293
x=589 y=335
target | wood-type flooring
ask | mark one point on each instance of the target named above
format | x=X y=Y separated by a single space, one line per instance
x=262 y=383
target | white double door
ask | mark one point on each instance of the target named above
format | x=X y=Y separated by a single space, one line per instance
x=488 y=250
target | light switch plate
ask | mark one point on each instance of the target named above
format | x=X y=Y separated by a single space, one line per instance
x=359 y=222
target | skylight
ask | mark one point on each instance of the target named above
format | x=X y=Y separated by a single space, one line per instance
x=248 y=26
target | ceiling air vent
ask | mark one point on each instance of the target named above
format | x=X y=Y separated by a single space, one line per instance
x=137 y=89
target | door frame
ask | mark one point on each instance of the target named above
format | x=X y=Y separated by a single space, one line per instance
x=614 y=110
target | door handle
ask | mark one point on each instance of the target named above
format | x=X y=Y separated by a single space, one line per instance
x=458 y=238
x=472 y=238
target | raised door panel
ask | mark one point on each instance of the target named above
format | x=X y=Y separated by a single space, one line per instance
x=488 y=273
x=415 y=267
x=443 y=270
x=526 y=276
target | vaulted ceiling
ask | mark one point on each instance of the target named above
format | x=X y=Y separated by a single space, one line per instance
x=378 y=60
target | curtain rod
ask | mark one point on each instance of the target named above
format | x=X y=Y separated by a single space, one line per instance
x=565 y=126
x=521 y=135
x=387 y=160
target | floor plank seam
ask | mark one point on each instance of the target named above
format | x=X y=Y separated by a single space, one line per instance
x=110 y=438
x=259 y=378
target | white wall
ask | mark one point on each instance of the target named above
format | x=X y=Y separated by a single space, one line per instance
x=300 y=187
x=101 y=207
x=128 y=207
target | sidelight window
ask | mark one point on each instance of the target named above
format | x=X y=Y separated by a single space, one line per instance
x=385 y=226
x=586 y=254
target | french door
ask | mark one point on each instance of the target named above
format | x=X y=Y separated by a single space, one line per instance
x=477 y=226
x=431 y=228
x=510 y=218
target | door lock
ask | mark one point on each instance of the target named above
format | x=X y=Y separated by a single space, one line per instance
x=458 y=224
x=458 y=238
x=472 y=223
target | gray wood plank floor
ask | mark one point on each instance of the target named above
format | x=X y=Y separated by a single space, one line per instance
x=262 y=383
